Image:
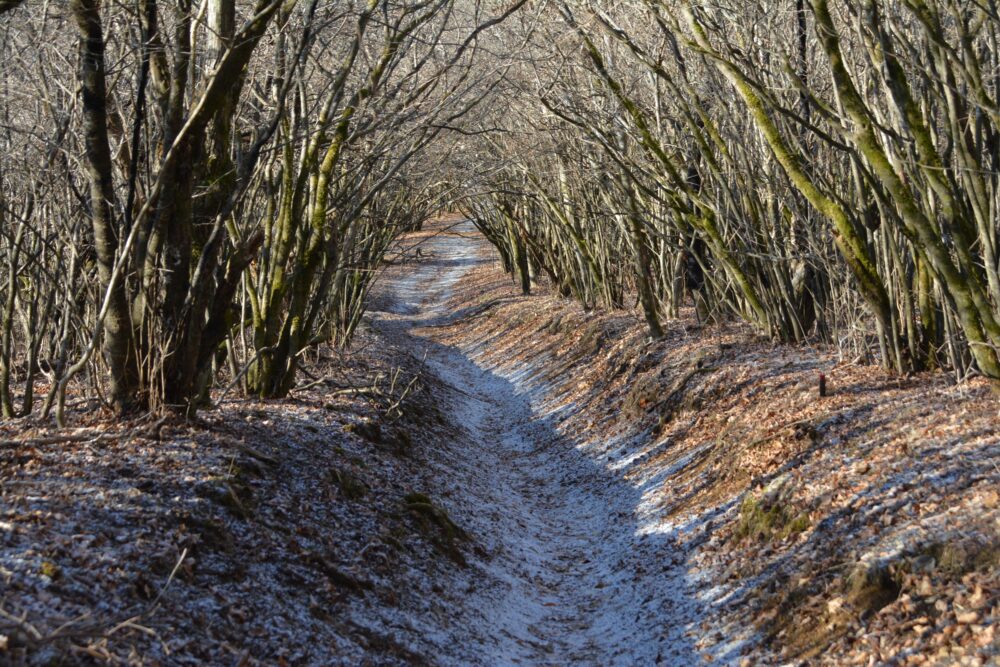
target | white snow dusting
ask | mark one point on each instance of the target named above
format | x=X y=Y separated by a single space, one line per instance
x=581 y=569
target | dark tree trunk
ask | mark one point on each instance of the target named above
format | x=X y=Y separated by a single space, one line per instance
x=118 y=339
x=642 y=278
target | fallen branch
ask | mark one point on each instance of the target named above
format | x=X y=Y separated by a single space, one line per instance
x=57 y=439
x=339 y=391
x=372 y=390
x=255 y=453
x=91 y=437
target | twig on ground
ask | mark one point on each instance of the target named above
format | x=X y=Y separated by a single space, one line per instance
x=90 y=437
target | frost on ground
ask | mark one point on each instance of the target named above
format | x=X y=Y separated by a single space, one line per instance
x=337 y=527
x=514 y=481
x=569 y=577
x=307 y=531
x=282 y=532
x=858 y=528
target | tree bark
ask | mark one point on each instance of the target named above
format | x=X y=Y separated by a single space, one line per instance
x=119 y=345
x=7 y=5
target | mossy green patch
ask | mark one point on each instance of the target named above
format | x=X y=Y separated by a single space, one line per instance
x=50 y=570
x=591 y=341
x=871 y=586
x=437 y=525
x=965 y=554
x=350 y=485
x=764 y=520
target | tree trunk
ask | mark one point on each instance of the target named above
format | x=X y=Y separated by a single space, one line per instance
x=642 y=279
x=118 y=339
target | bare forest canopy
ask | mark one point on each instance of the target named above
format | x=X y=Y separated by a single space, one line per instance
x=195 y=192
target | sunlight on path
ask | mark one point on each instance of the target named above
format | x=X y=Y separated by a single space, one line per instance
x=571 y=578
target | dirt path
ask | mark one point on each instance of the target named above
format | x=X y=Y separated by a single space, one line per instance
x=570 y=577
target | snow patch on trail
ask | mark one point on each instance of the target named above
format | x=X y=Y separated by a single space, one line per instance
x=580 y=568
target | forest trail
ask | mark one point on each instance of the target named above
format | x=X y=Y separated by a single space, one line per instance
x=569 y=578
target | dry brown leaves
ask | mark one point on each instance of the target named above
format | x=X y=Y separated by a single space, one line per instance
x=899 y=472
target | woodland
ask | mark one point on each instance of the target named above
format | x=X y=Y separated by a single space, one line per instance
x=198 y=199
x=198 y=191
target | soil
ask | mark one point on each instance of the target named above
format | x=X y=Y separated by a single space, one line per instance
x=488 y=478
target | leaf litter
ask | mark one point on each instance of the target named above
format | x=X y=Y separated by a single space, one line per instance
x=552 y=488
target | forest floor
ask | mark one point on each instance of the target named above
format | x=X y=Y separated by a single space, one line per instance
x=493 y=479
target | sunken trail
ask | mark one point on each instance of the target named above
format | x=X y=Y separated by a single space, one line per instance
x=563 y=578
